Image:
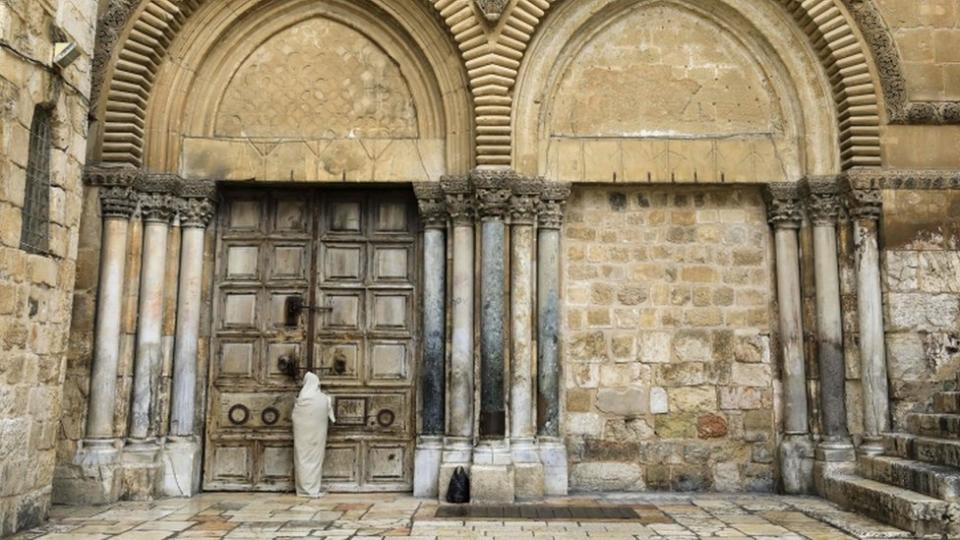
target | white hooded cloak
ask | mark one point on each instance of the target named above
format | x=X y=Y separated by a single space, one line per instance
x=310 y=415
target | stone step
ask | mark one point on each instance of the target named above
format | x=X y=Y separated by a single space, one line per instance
x=946 y=402
x=941 y=425
x=908 y=510
x=927 y=449
x=937 y=481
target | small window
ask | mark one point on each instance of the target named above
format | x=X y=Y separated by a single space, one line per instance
x=35 y=231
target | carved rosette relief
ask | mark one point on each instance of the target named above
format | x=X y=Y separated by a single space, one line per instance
x=525 y=201
x=460 y=199
x=553 y=201
x=823 y=201
x=432 y=204
x=784 y=207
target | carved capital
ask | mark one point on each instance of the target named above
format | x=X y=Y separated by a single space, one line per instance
x=823 y=199
x=196 y=212
x=525 y=201
x=784 y=209
x=553 y=202
x=460 y=199
x=117 y=202
x=864 y=200
x=156 y=195
x=493 y=188
x=432 y=203
x=197 y=189
x=492 y=9
x=97 y=175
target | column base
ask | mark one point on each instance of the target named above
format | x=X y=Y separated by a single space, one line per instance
x=492 y=477
x=835 y=451
x=871 y=446
x=181 y=467
x=457 y=452
x=553 y=456
x=141 y=471
x=94 y=478
x=528 y=471
x=796 y=464
x=426 y=466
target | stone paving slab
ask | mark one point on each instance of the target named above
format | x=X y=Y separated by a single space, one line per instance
x=386 y=516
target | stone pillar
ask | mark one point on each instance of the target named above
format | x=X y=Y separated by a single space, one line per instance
x=796 y=447
x=492 y=475
x=182 y=452
x=433 y=216
x=865 y=207
x=823 y=206
x=458 y=444
x=528 y=470
x=100 y=446
x=553 y=453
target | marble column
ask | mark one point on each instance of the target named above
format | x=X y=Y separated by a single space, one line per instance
x=865 y=207
x=433 y=216
x=492 y=474
x=524 y=206
x=99 y=444
x=458 y=443
x=182 y=452
x=157 y=208
x=796 y=448
x=823 y=207
x=553 y=453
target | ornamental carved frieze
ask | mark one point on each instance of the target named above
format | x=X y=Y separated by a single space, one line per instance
x=109 y=28
x=784 y=206
x=431 y=201
x=494 y=188
x=553 y=202
x=525 y=201
x=823 y=199
x=492 y=9
x=460 y=198
x=100 y=175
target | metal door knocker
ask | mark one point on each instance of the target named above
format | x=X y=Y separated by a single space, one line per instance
x=238 y=414
x=269 y=416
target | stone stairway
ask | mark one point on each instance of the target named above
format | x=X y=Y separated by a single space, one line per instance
x=915 y=484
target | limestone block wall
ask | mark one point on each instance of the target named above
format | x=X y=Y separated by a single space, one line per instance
x=670 y=378
x=927 y=33
x=35 y=289
x=922 y=294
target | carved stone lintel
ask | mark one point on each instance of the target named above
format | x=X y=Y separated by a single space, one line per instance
x=117 y=201
x=553 y=200
x=432 y=204
x=97 y=175
x=493 y=191
x=492 y=9
x=784 y=209
x=460 y=198
x=525 y=202
x=823 y=201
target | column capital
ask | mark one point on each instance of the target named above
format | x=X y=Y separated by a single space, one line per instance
x=117 y=202
x=823 y=199
x=493 y=191
x=197 y=203
x=863 y=198
x=156 y=194
x=784 y=208
x=460 y=199
x=553 y=200
x=525 y=201
x=104 y=176
x=431 y=201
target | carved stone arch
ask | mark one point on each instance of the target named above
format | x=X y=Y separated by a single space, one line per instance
x=815 y=33
x=150 y=80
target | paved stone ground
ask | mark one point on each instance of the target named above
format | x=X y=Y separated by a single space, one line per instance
x=340 y=516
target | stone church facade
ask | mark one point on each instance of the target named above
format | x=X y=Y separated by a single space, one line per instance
x=569 y=245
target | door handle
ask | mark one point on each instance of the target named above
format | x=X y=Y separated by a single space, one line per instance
x=289 y=365
x=294 y=306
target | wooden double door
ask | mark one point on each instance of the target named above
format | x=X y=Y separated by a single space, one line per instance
x=320 y=280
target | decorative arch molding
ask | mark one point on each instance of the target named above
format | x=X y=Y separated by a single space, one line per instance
x=138 y=38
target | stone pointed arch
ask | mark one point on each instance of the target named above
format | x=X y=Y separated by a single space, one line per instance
x=142 y=50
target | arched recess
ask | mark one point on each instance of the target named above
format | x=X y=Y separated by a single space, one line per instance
x=177 y=70
x=809 y=56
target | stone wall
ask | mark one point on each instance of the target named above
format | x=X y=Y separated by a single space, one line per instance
x=35 y=289
x=928 y=38
x=667 y=339
x=922 y=287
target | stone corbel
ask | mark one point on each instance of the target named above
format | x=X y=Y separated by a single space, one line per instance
x=492 y=9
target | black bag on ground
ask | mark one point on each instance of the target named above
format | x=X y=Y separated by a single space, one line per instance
x=458 y=492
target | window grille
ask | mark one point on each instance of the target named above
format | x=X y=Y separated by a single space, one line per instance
x=35 y=229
